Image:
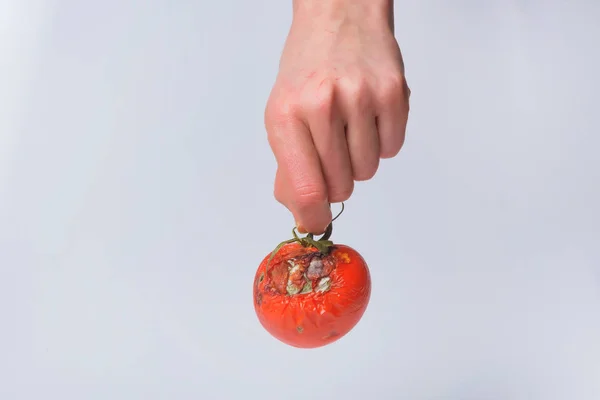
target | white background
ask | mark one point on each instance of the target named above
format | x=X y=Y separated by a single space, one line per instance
x=136 y=203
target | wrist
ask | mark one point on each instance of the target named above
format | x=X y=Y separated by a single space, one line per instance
x=359 y=11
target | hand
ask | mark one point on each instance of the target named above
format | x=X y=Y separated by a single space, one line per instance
x=339 y=104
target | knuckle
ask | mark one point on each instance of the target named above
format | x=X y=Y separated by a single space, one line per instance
x=339 y=194
x=355 y=87
x=361 y=176
x=278 y=119
x=282 y=106
x=366 y=172
x=321 y=100
x=393 y=89
x=391 y=150
x=357 y=93
x=278 y=196
x=405 y=98
x=309 y=195
x=279 y=112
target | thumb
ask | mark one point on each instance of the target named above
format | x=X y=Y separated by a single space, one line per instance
x=309 y=207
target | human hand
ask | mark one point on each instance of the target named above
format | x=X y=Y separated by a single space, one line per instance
x=339 y=104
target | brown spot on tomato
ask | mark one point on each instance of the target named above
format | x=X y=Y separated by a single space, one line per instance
x=259 y=280
x=259 y=298
x=331 y=335
x=300 y=328
x=279 y=277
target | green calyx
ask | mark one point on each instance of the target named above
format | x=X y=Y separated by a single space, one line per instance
x=323 y=244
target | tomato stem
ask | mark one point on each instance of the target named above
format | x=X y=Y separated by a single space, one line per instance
x=323 y=244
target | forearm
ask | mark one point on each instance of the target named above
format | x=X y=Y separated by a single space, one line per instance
x=363 y=10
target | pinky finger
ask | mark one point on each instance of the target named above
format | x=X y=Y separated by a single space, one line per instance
x=392 y=122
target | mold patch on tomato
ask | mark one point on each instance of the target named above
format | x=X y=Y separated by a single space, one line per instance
x=259 y=297
x=302 y=274
x=323 y=285
x=296 y=280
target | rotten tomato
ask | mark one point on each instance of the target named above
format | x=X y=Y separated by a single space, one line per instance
x=309 y=293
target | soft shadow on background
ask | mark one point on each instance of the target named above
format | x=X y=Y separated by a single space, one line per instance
x=136 y=203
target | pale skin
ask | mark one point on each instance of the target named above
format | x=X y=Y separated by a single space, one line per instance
x=340 y=103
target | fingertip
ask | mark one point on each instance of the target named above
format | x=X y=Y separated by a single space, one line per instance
x=300 y=228
x=314 y=220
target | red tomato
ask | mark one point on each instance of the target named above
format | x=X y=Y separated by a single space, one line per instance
x=308 y=299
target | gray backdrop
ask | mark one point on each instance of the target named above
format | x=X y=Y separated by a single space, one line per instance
x=136 y=203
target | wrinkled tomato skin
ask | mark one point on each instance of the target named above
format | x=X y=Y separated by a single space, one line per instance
x=314 y=319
